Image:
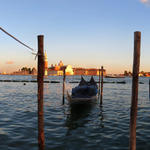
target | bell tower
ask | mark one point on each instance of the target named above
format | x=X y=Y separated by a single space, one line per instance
x=46 y=64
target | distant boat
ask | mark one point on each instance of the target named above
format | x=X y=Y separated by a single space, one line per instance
x=84 y=92
x=114 y=76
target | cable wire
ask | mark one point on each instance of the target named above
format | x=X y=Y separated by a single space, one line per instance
x=33 y=51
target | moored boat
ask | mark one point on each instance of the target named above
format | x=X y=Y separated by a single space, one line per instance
x=84 y=92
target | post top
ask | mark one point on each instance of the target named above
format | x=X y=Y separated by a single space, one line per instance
x=40 y=35
x=137 y=32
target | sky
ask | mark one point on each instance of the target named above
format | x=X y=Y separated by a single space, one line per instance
x=82 y=33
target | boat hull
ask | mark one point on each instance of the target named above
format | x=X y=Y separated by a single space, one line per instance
x=79 y=100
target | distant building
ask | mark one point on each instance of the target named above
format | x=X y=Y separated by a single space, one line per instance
x=79 y=71
x=88 y=71
x=55 y=72
x=58 y=69
x=4 y=73
x=69 y=70
x=92 y=72
x=147 y=74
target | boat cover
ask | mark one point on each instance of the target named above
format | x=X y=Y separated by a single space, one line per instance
x=85 y=89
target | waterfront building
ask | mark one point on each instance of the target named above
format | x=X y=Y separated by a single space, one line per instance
x=69 y=70
x=88 y=71
x=58 y=69
x=92 y=72
x=79 y=71
x=55 y=72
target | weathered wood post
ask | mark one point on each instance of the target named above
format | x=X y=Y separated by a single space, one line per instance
x=149 y=88
x=64 y=78
x=135 y=78
x=99 y=83
x=101 y=96
x=41 y=138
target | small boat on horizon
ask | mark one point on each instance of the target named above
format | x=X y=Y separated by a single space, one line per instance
x=114 y=76
x=85 y=92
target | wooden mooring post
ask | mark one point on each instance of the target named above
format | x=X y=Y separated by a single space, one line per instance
x=101 y=95
x=149 y=88
x=99 y=82
x=41 y=137
x=135 y=78
x=64 y=78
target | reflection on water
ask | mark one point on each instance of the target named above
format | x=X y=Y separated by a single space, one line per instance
x=101 y=117
x=77 y=115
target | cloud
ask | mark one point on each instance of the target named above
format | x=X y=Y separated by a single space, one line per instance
x=9 y=62
x=145 y=2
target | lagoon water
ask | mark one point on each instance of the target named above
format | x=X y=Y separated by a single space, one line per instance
x=68 y=128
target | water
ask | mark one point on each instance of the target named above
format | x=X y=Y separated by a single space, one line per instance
x=69 y=128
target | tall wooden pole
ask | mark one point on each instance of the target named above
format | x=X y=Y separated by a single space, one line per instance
x=101 y=96
x=41 y=138
x=99 y=85
x=135 y=78
x=149 y=88
x=64 y=78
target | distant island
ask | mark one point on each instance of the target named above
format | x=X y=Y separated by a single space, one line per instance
x=57 y=70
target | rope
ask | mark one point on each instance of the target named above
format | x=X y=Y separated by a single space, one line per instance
x=33 y=51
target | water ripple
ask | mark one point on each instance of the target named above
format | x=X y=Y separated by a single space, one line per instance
x=68 y=128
